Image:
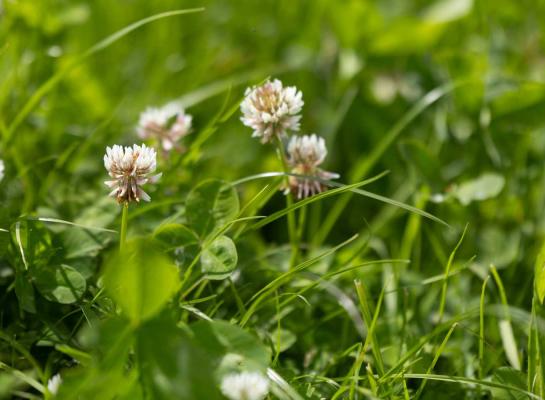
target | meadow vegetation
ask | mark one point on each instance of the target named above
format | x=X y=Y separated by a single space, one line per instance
x=312 y=199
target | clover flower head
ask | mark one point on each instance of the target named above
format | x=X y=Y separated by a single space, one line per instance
x=245 y=386
x=271 y=109
x=54 y=383
x=167 y=125
x=304 y=155
x=1 y=170
x=307 y=149
x=130 y=168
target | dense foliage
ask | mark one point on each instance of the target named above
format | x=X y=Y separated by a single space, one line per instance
x=417 y=275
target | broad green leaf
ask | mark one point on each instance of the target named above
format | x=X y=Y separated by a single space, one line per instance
x=211 y=205
x=219 y=258
x=140 y=279
x=105 y=375
x=175 y=235
x=87 y=235
x=173 y=364
x=59 y=283
x=230 y=343
x=484 y=187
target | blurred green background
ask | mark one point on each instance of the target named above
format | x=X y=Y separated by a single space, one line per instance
x=362 y=66
x=447 y=95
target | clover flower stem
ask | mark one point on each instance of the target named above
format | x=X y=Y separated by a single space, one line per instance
x=124 y=222
x=292 y=229
x=301 y=223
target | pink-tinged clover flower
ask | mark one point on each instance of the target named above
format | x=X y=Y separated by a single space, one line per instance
x=167 y=125
x=304 y=156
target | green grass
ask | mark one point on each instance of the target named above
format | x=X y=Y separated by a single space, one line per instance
x=417 y=275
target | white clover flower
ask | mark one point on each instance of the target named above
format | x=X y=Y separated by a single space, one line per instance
x=54 y=383
x=1 y=170
x=307 y=149
x=167 y=125
x=131 y=168
x=305 y=154
x=271 y=109
x=245 y=386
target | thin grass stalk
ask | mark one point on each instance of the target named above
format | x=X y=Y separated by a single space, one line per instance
x=481 y=329
x=447 y=272
x=124 y=223
x=366 y=313
x=292 y=229
x=506 y=328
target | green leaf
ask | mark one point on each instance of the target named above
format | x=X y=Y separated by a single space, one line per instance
x=140 y=279
x=173 y=364
x=59 y=283
x=219 y=258
x=211 y=205
x=105 y=375
x=223 y=339
x=175 y=235
x=484 y=187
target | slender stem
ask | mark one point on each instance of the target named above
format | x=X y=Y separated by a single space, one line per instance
x=292 y=230
x=124 y=221
x=481 y=329
x=302 y=221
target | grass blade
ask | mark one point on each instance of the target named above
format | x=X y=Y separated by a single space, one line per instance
x=505 y=326
x=365 y=164
x=104 y=43
x=481 y=329
x=257 y=298
x=447 y=272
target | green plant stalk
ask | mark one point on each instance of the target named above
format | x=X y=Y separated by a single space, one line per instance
x=481 y=330
x=124 y=222
x=532 y=351
x=512 y=358
x=356 y=373
x=366 y=313
x=301 y=224
x=277 y=339
x=540 y=341
x=447 y=272
x=292 y=229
